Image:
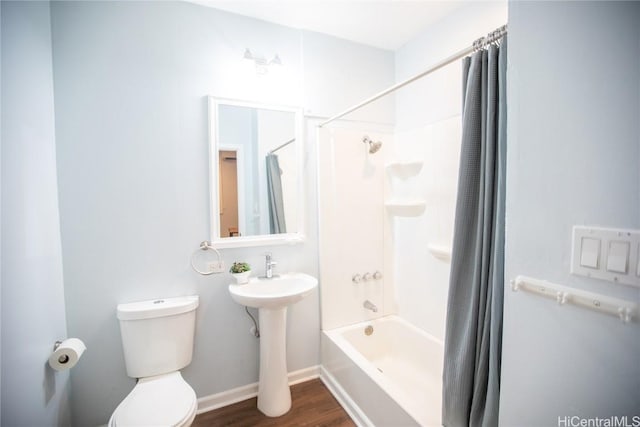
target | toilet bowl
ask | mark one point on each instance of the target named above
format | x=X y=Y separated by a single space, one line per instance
x=157 y=338
x=164 y=400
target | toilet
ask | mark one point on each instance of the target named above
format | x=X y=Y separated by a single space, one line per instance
x=157 y=338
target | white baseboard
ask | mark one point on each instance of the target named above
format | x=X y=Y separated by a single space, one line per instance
x=229 y=397
x=302 y=375
x=350 y=407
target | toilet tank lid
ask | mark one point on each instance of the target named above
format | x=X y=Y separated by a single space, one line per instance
x=157 y=308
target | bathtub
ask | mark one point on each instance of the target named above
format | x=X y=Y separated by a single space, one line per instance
x=392 y=377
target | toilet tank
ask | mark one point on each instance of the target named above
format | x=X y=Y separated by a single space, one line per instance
x=157 y=335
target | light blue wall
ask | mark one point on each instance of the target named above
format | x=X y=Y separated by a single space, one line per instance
x=438 y=96
x=573 y=156
x=131 y=81
x=33 y=308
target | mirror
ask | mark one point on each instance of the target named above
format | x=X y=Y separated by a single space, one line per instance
x=256 y=154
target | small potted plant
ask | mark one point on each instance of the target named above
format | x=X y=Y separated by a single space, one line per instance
x=241 y=271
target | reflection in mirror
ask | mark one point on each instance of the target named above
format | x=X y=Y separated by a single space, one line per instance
x=257 y=152
x=228 y=173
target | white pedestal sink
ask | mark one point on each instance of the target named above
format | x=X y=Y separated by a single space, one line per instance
x=271 y=297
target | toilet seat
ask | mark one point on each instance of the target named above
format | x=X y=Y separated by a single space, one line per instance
x=162 y=400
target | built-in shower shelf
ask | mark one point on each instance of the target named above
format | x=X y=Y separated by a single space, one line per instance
x=443 y=253
x=404 y=170
x=405 y=207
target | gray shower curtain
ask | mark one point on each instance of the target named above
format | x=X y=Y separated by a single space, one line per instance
x=473 y=336
x=277 y=222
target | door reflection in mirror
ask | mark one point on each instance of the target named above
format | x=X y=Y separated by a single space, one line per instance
x=228 y=193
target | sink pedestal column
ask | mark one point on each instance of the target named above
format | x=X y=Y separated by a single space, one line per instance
x=274 y=396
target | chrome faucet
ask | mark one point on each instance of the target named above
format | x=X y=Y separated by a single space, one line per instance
x=370 y=306
x=269 y=264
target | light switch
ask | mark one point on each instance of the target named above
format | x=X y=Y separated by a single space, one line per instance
x=589 y=252
x=618 y=256
x=611 y=254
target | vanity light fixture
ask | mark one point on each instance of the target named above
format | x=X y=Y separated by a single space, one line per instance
x=262 y=64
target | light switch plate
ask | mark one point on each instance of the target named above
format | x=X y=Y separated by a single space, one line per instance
x=590 y=252
x=616 y=258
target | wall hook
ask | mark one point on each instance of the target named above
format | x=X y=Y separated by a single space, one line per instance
x=561 y=297
x=625 y=314
x=624 y=310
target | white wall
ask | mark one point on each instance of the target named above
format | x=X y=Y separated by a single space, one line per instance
x=573 y=154
x=131 y=81
x=33 y=308
x=428 y=129
x=339 y=74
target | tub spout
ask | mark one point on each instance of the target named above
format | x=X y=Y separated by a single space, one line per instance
x=370 y=306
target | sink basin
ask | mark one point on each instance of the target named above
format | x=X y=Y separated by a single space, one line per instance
x=272 y=297
x=274 y=293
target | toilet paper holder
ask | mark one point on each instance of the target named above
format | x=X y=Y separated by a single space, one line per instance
x=64 y=358
x=66 y=353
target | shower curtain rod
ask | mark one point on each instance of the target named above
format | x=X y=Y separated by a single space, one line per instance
x=281 y=146
x=478 y=44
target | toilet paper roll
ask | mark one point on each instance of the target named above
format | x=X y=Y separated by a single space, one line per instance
x=66 y=355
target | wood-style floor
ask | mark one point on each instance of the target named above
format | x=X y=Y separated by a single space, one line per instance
x=311 y=405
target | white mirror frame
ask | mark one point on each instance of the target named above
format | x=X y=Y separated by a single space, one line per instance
x=265 y=239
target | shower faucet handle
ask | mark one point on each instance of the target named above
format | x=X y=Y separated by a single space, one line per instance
x=366 y=277
x=377 y=275
x=356 y=278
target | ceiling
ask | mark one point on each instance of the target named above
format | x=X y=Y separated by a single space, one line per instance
x=385 y=24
